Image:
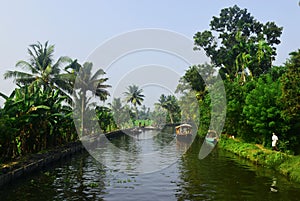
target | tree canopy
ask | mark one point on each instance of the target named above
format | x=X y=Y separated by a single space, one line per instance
x=236 y=36
x=40 y=68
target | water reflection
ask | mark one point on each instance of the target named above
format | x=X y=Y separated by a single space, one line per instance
x=273 y=187
x=224 y=176
x=80 y=180
x=146 y=152
x=220 y=176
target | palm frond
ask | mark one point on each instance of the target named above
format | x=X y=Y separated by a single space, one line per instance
x=62 y=60
x=17 y=75
x=3 y=96
x=26 y=66
x=74 y=65
x=25 y=81
x=34 y=60
x=97 y=74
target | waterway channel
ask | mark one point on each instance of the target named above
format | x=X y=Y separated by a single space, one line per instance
x=219 y=176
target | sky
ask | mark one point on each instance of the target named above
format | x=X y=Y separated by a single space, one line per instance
x=77 y=28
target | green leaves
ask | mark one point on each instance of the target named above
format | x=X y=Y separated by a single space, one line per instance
x=261 y=109
x=134 y=95
x=33 y=118
x=291 y=87
x=170 y=104
x=236 y=41
x=86 y=82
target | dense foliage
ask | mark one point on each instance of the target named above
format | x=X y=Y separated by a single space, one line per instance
x=240 y=42
x=170 y=104
x=34 y=119
x=38 y=114
x=261 y=98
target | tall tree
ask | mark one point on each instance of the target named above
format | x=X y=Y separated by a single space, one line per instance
x=117 y=110
x=170 y=104
x=290 y=97
x=196 y=78
x=144 y=113
x=41 y=68
x=88 y=82
x=134 y=96
x=262 y=111
x=291 y=86
x=189 y=106
x=223 y=49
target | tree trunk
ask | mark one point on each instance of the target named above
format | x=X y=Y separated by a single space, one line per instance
x=136 y=112
x=82 y=113
x=171 y=117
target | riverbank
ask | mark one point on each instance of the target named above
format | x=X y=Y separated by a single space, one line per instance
x=15 y=169
x=285 y=164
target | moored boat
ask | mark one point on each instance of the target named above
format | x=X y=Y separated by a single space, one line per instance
x=183 y=131
x=211 y=137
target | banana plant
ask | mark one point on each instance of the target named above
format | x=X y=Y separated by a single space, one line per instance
x=37 y=118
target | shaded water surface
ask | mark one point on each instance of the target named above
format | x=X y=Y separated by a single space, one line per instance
x=220 y=176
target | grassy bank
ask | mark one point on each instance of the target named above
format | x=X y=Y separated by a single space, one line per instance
x=288 y=165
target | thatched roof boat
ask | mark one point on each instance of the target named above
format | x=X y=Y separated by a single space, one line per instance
x=183 y=130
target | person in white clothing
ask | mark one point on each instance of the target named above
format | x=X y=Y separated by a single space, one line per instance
x=274 y=142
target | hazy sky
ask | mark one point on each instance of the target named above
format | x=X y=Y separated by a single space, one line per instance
x=78 y=27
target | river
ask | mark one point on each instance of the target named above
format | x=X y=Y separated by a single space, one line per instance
x=219 y=176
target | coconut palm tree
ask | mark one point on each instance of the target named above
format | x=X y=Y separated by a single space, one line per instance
x=134 y=96
x=86 y=82
x=170 y=104
x=40 y=68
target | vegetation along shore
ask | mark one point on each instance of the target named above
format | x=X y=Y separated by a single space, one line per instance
x=261 y=98
x=284 y=163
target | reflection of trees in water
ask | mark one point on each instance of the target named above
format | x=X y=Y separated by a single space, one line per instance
x=183 y=144
x=198 y=177
x=165 y=136
x=225 y=176
x=81 y=175
x=119 y=153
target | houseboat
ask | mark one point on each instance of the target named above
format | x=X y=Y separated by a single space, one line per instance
x=183 y=131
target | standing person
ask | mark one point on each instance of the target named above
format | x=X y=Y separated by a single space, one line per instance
x=274 y=142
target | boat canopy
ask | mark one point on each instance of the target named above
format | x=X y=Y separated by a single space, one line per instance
x=183 y=129
x=183 y=125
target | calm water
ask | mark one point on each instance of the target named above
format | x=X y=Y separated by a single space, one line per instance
x=220 y=176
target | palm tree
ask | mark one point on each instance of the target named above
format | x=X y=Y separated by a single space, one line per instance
x=189 y=106
x=134 y=96
x=170 y=104
x=40 y=68
x=85 y=82
x=117 y=110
